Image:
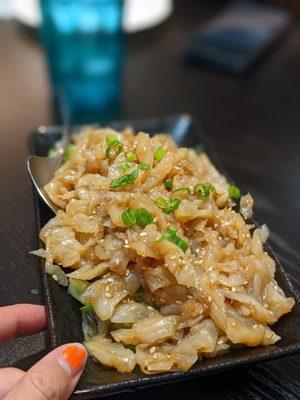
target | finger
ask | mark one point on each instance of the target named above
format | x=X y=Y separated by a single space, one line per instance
x=9 y=377
x=54 y=377
x=21 y=320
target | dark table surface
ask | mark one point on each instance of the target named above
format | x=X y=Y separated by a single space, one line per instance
x=253 y=123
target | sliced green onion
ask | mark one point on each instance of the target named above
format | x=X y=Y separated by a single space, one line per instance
x=131 y=156
x=117 y=325
x=124 y=180
x=203 y=190
x=110 y=139
x=234 y=192
x=69 y=151
x=168 y=183
x=144 y=165
x=125 y=166
x=115 y=144
x=159 y=153
x=182 y=190
x=179 y=243
x=167 y=205
x=128 y=217
x=171 y=232
x=143 y=217
x=173 y=238
x=161 y=202
x=87 y=308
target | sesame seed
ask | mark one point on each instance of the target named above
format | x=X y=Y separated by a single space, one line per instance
x=127 y=272
x=233 y=289
x=209 y=299
x=118 y=260
x=143 y=234
x=125 y=359
x=178 y=302
x=155 y=356
x=254 y=326
x=266 y=305
x=220 y=341
x=197 y=251
x=198 y=262
x=233 y=323
x=101 y=240
x=55 y=277
x=210 y=268
x=126 y=246
x=110 y=280
x=169 y=356
x=126 y=241
x=173 y=257
x=152 y=350
x=109 y=295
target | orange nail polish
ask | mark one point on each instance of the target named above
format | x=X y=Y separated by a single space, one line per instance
x=74 y=355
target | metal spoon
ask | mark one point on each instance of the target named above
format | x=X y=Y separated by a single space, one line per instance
x=42 y=169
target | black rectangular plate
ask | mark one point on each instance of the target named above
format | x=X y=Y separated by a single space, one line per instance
x=64 y=317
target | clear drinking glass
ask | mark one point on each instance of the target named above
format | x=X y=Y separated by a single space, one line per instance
x=85 y=50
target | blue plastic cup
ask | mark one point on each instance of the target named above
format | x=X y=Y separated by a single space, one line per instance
x=85 y=51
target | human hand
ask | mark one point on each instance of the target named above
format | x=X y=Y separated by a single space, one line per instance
x=53 y=377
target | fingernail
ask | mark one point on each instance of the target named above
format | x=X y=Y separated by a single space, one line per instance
x=73 y=358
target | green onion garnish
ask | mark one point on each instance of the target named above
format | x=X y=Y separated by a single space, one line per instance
x=185 y=191
x=159 y=153
x=173 y=238
x=125 y=166
x=168 y=183
x=115 y=144
x=234 y=192
x=128 y=217
x=124 y=180
x=87 y=308
x=203 y=190
x=143 y=217
x=69 y=151
x=110 y=139
x=167 y=205
x=144 y=165
x=131 y=156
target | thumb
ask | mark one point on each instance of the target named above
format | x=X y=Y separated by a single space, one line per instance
x=54 y=377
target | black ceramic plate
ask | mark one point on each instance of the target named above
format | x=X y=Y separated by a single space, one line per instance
x=64 y=318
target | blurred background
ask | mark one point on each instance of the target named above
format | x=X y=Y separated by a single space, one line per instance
x=233 y=65
x=88 y=45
